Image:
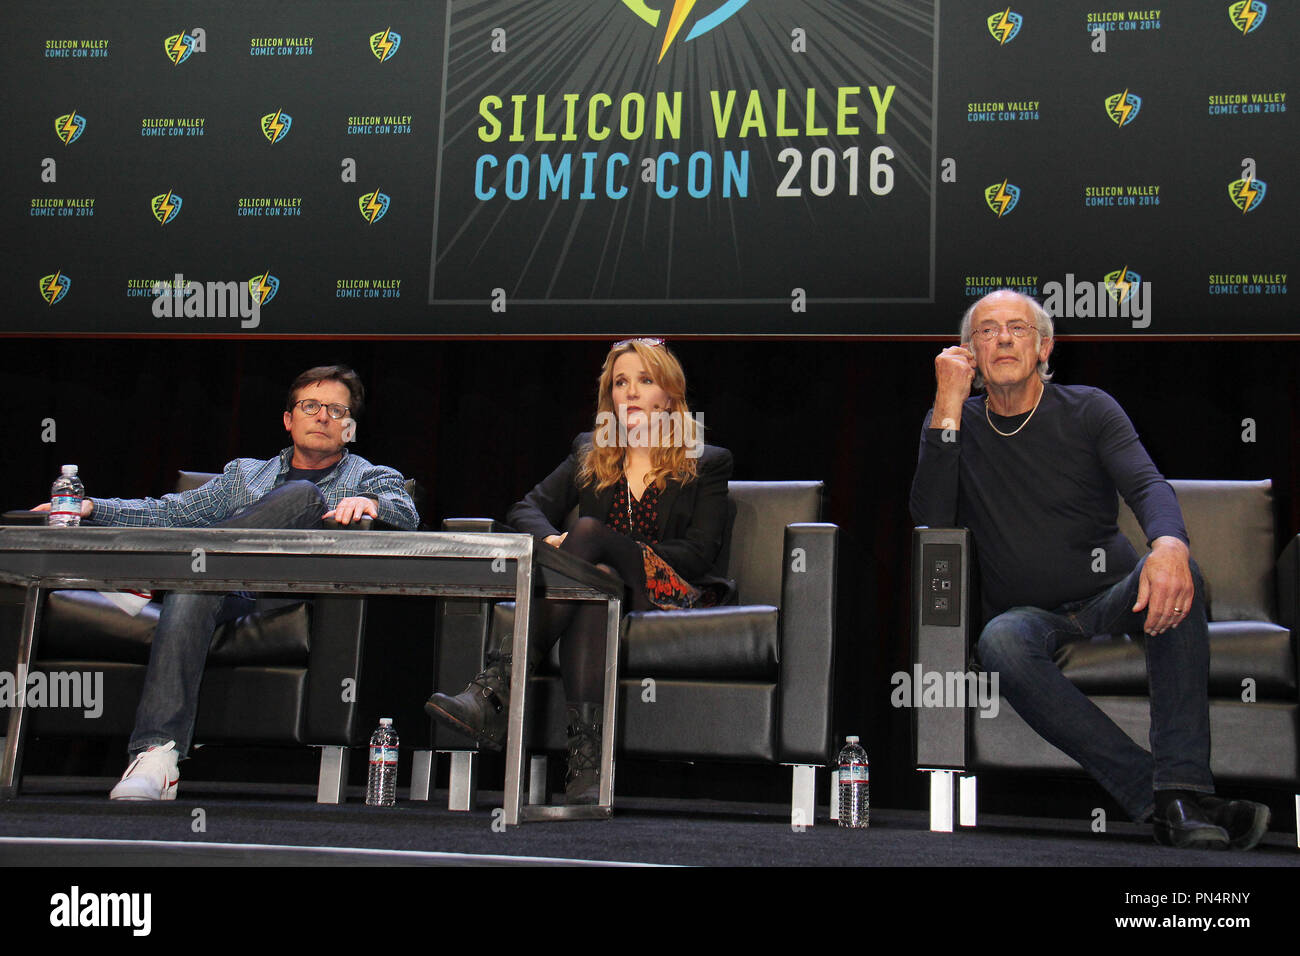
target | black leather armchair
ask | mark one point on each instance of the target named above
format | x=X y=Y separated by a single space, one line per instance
x=1254 y=601
x=749 y=682
x=275 y=676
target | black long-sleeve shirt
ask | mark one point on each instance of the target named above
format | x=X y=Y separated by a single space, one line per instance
x=1040 y=502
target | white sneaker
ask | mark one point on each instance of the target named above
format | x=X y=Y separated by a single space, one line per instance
x=151 y=776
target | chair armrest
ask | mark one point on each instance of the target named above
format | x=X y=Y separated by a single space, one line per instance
x=462 y=631
x=1288 y=585
x=809 y=585
x=338 y=625
x=22 y=516
x=472 y=525
x=940 y=639
x=363 y=524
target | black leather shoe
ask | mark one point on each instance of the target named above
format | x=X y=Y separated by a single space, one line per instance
x=1185 y=825
x=481 y=711
x=1245 y=821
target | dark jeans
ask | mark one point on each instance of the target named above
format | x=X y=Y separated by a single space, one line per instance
x=170 y=700
x=1019 y=645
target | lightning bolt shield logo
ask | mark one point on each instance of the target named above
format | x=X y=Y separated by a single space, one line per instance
x=263 y=288
x=69 y=127
x=1122 y=283
x=1004 y=26
x=1247 y=15
x=1002 y=197
x=275 y=126
x=1247 y=194
x=1122 y=108
x=54 y=287
x=384 y=44
x=166 y=207
x=373 y=206
x=178 y=48
x=677 y=17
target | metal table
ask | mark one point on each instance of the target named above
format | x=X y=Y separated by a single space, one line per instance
x=320 y=562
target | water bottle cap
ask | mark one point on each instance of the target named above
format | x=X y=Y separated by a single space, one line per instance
x=850 y=740
x=69 y=469
x=385 y=721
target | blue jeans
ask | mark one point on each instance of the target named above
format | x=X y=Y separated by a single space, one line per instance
x=181 y=640
x=1019 y=645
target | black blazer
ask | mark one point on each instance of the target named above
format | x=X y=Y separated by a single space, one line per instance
x=692 y=517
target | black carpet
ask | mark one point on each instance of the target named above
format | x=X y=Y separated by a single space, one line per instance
x=72 y=823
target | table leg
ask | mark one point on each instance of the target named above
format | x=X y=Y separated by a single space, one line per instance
x=11 y=768
x=514 y=792
x=615 y=618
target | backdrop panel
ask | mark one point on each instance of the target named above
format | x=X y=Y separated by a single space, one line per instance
x=791 y=167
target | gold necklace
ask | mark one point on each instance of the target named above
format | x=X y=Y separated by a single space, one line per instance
x=1042 y=389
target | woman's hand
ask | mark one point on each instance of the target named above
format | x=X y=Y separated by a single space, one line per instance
x=555 y=540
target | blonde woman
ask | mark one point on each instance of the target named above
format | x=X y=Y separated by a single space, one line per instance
x=652 y=509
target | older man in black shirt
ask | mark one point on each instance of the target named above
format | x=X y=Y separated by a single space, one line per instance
x=1033 y=469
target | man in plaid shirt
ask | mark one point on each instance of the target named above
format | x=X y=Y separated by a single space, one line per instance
x=315 y=478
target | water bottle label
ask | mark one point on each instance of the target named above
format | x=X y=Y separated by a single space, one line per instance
x=384 y=755
x=854 y=773
x=65 y=505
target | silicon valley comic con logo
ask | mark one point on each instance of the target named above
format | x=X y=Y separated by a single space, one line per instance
x=373 y=205
x=1122 y=284
x=166 y=207
x=1247 y=15
x=1247 y=194
x=1005 y=26
x=54 y=287
x=384 y=44
x=263 y=288
x=1122 y=108
x=69 y=127
x=178 y=47
x=275 y=126
x=681 y=9
x=1002 y=197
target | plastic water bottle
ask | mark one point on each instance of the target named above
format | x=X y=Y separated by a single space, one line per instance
x=65 y=499
x=855 y=785
x=381 y=788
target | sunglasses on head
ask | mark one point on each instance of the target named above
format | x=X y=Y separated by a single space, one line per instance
x=648 y=343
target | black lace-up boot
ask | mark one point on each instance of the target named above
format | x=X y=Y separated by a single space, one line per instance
x=582 y=782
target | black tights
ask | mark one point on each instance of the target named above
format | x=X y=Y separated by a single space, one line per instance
x=581 y=624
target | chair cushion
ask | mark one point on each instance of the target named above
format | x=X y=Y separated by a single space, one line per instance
x=88 y=626
x=1234 y=542
x=737 y=643
x=1238 y=649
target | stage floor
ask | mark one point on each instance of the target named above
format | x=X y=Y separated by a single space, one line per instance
x=70 y=822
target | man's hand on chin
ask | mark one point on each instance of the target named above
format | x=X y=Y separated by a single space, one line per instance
x=1165 y=588
x=349 y=510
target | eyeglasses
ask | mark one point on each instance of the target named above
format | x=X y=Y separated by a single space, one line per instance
x=987 y=333
x=312 y=407
x=648 y=343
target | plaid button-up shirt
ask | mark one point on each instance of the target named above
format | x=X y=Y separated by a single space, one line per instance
x=246 y=480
